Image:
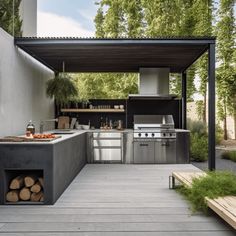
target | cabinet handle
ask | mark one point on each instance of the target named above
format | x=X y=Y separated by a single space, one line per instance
x=165 y=144
x=143 y=145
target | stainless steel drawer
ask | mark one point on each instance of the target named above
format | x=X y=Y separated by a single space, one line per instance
x=107 y=154
x=107 y=135
x=107 y=142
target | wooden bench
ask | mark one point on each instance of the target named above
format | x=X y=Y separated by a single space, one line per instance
x=225 y=207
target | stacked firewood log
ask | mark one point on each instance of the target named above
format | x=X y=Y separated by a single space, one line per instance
x=26 y=188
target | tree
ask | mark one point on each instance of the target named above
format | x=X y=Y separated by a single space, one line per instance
x=106 y=85
x=226 y=73
x=203 y=18
x=99 y=19
x=133 y=15
x=160 y=17
x=7 y=17
x=113 y=19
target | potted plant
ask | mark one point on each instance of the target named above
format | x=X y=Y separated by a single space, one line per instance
x=62 y=89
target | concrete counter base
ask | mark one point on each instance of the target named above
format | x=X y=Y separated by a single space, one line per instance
x=59 y=164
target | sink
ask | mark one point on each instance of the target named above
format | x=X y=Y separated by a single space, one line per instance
x=61 y=132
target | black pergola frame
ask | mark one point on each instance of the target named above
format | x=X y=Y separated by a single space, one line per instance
x=207 y=43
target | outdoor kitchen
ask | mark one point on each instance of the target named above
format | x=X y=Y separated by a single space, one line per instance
x=145 y=128
x=116 y=118
x=140 y=135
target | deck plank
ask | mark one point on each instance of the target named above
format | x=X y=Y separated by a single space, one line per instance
x=114 y=226
x=115 y=200
x=135 y=233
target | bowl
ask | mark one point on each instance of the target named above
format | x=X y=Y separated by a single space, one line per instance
x=116 y=106
x=84 y=126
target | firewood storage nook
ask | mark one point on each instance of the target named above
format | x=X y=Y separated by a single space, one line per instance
x=24 y=186
x=57 y=162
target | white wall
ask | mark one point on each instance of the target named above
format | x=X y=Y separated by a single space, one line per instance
x=22 y=89
x=28 y=14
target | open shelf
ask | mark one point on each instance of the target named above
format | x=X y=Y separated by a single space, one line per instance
x=93 y=110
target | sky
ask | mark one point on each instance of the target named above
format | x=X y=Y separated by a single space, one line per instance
x=66 y=18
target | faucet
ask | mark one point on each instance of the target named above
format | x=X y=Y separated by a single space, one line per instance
x=42 y=122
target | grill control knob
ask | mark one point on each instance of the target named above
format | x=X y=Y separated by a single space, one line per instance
x=139 y=134
x=146 y=134
x=153 y=134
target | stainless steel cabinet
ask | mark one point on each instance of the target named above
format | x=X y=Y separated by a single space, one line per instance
x=102 y=154
x=144 y=152
x=165 y=151
x=106 y=147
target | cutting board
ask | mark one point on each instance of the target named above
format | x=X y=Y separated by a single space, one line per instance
x=62 y=121
x=24 y=139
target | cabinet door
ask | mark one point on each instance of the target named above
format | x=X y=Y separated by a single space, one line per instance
x=165 y=151
x=143 y=152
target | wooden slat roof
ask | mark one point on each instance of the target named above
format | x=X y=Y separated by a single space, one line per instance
x=115 y=55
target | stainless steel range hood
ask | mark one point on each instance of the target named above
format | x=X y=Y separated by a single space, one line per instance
x=153 y=84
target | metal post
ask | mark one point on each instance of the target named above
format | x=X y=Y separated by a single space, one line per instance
x=211 y=107
x=184 y=100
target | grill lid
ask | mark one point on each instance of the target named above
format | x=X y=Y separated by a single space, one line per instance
x=153 y=121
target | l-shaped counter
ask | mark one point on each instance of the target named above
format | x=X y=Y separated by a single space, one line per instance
x=60 y=160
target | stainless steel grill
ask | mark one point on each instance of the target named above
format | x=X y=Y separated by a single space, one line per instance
x=154 y=139
x=154 y=127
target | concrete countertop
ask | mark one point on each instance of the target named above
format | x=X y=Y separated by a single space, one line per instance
x=65 y=136
x=76 y=133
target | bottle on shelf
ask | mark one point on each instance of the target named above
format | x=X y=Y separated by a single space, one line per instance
x=101 y=122
x=30 y=129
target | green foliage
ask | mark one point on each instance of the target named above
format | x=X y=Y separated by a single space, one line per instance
x=215 y=184
x=219 y=134
x=200 y=109
x=197 y=127
x=106 y=85
x=62 y=89
x=137 y=18
x=198 y=140
x=99 y=19
x=198 y=147
x=226 y=72
x=229 y=155
x=7 y=17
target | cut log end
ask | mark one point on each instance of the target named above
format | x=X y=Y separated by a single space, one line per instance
x=36 y=188
x=29 y=181
x=25 y=194
x=12 y=196
x=17 y=182
x=35 y=197
x=41 y=182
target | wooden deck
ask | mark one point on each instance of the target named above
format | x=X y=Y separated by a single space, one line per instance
x=115 y=200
